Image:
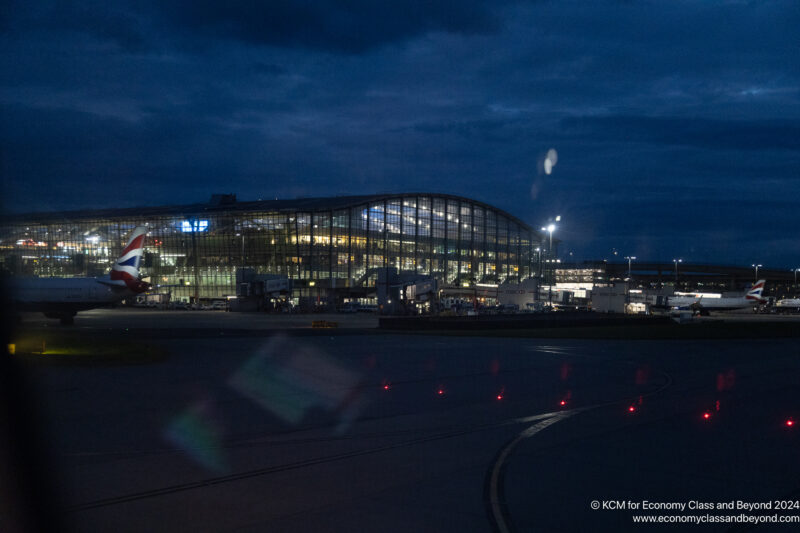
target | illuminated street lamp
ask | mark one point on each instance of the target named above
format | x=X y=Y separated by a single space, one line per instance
x=551 y=228
x=676 y=261
x=756 y=267
x=539 y=249
x=630 y=258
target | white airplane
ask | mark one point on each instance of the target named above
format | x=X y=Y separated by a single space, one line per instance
x=751 y=298
x=62 y=298
x=788 y=303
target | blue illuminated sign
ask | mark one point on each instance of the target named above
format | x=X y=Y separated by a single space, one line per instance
x=193 y=226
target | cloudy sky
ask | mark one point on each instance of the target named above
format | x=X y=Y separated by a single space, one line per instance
x=676 y=124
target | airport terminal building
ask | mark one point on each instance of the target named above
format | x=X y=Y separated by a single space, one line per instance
x=331 y=248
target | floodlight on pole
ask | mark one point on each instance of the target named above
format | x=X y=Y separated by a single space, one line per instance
x=630 y=258
x=676 y=261
x=539 y=251
x=550 y=228
x=756 y=267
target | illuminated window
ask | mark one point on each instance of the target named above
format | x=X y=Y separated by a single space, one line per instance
x=193 y=226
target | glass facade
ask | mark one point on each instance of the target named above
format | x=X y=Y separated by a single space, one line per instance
x=195 y=251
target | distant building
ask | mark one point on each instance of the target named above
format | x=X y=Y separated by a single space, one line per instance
x=693 y=277
x=330 y=247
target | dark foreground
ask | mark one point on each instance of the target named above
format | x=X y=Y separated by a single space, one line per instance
x=396 y=432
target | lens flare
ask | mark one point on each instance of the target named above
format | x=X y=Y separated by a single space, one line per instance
x=290 y=379
x=550 y=161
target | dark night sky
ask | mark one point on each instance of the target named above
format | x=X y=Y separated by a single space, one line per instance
x=677 y=124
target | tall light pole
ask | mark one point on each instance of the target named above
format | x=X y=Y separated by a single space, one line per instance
x=756 y=267
x=628 y=284
x=676 y=261
x=796 y=270
x=539 y=249
x=630 y=258
x=550 y=229
x=195 y=225
x=242 y=258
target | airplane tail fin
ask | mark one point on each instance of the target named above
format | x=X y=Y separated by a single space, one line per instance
x=756 y=290
x=126 y=268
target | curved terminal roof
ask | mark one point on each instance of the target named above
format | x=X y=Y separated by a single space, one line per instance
x=228 y=203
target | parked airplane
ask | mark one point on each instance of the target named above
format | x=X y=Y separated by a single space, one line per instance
x=788 y=304
x=702 y=305
x=62 y=298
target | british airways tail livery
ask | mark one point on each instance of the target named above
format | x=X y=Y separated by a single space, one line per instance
x=62 y=298
x=125 y=272
x=754 y=294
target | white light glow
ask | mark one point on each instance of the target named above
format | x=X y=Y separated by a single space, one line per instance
x=550 y=161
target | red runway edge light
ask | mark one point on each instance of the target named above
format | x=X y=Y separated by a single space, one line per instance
x=789 y=423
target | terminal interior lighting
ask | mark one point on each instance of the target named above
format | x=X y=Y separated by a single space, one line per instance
x=194 y=226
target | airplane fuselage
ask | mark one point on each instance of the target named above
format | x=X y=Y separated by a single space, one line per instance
x=712 y=304
x=788 y=303
x=63 y=297
x=750 y=299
